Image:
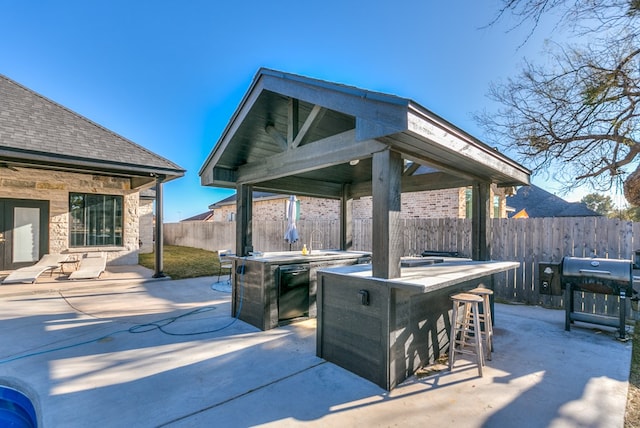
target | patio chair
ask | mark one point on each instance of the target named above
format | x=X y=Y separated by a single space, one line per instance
x=224 y=262
x=91 y=266
x=29 y=274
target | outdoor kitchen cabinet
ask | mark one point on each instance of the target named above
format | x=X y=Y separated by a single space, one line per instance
x=255 y=281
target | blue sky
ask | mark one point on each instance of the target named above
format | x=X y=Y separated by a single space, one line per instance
x=169 y=74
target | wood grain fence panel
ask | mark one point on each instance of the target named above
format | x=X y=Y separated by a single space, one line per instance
x=461 y=245
x=626 y=240
x=437 y=235
x=556 y=240
x=516 y=255
x=528 y=251
x=410 y=241
x=528 y=241
x=592 y=303
x=497 y=251
x=497 y=241
x=567 y=239
x=615 y=237
x=538 y=241
x=434 y=235
x=593 y=226
x=555 y=235
x=579 y=248
x=421 y=235
x=448 y=240
x=508 y=253
x=603 y=243
x=357 y=235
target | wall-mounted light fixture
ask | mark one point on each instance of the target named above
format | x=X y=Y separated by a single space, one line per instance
x=354 y=162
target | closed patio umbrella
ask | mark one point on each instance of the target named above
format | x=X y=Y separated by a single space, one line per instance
x=291 y=235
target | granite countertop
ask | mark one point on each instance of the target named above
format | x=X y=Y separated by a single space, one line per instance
x=288 y=257
x=422 y=279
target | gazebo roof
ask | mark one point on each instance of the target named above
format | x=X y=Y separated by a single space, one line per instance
x=293 y=134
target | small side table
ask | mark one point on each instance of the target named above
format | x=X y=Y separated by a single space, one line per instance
x=68 y=263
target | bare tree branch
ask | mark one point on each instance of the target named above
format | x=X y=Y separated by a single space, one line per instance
x=577 y=117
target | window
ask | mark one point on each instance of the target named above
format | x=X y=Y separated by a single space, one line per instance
x=95 y=220
x=468 y=198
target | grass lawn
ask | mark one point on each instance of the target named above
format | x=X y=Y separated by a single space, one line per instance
x=632 y=416
x=184 y=262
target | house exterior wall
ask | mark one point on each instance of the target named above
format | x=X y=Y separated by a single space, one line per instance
x=274 y=209
x=54 y=186
x=145 y=211
x=427 y=204
x=445 y=203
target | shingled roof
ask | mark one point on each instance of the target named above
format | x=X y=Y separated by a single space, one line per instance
x=540 y=203
x=38 y=132
x=257 y=196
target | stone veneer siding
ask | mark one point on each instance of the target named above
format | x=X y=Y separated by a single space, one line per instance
x=146 y=232
x=54 y=186
x=428 y=204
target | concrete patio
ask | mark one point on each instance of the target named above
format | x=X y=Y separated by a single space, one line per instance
x=125 y=351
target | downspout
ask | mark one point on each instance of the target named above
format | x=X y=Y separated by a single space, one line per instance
x=159 y=249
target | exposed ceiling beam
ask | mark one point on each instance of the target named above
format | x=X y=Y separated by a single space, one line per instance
x=277 y=137
x=301 y=187
x=411 y=168
x=443 y=136
x=416 y=183
x=412 y=153
x=314 y=117
x=292 y=122
x=334 y=150
x=378 y=114
x=219 y=177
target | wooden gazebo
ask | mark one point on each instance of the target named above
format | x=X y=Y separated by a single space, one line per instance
x=296 y=135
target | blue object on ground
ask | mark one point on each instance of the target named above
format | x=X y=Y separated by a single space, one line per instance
x=16 y=410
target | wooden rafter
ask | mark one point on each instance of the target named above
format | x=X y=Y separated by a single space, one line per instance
x=334 y=150
x=314 y=117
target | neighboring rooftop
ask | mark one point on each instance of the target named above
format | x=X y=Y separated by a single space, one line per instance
x=537 y=202
x=199 y=217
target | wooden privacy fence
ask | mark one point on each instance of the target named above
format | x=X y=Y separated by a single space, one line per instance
x=528 y=241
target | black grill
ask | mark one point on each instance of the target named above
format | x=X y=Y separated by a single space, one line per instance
x=602 y=276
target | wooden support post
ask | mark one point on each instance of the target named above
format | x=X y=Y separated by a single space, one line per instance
x=159 y=244
x=244 y=222
x=346 y=219
x=481 y=221
x=387 y=232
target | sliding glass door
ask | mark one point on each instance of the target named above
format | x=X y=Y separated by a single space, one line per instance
x=24 y=232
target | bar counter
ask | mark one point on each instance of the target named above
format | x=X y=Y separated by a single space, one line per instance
x=386 y=329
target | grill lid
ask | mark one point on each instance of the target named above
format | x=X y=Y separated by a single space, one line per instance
x=610 y=269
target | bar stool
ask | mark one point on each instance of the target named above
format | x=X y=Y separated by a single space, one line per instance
x=466 y=336
x=486 y=322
